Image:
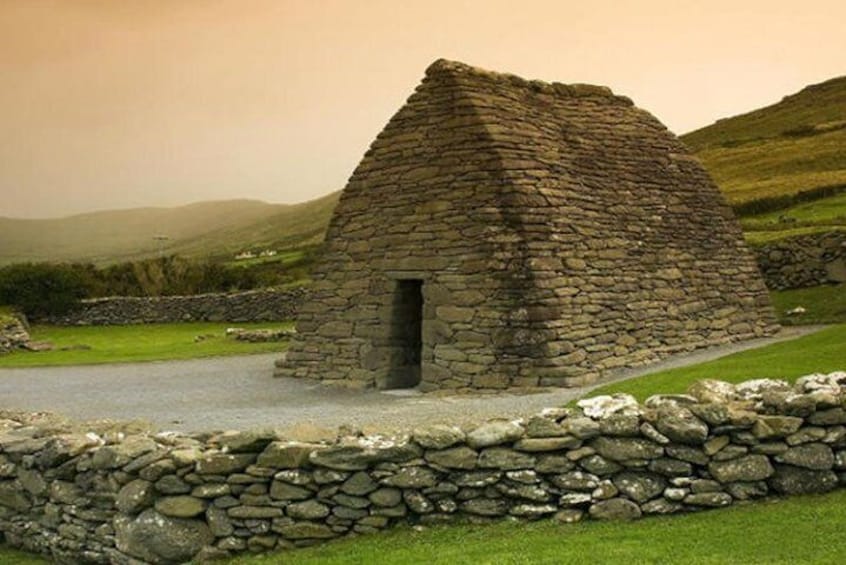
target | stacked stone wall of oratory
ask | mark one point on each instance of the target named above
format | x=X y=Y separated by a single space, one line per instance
x=114 y=493
x=535 y=234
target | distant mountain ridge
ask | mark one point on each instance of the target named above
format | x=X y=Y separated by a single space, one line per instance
x=202 y=229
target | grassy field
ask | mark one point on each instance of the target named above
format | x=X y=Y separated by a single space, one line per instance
x=778 y=166
x=149 y=342
x=823 y=103
x=823 y=305
x=9 y=556
x=797 y=145
x=825 y=214
x=821 y=352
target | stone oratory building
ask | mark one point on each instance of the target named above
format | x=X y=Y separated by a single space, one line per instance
x=502 y=232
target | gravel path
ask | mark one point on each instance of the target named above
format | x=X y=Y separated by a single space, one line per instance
x=240 y=393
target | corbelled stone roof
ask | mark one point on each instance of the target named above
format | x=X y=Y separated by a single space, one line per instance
x=558 y=231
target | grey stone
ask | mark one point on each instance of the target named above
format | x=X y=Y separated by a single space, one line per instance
x=211 y=490
x=135 y=496
x=155 y=538
x=180 y=506
x=660 y=506
x=358 y=456
x=581 y=428
x=709 y=499
x=412 y=477
x=553 y=464
x=768 y=427
x=386 y=497
x=417 y=502
x=569 y=516
x=219 y=522
x=505 y=459
x=670 y=467
x=743 y=469
x=243 y=441
x=532 y=510
x=171 y=484
x=816 y=456
x=615 y=509
x=599 y=465
x=438 y=436
x=798 y=480
x=560 y=443
x=224 y=463
x=118 y=455
x=461 y=457
x=12 y=496
x=283 y=491
x=32 y=481
x=359 y=484
x=494 y=433
x=247 y=512
x=287 y=454
x=576 y=480
x=304 y=530
x=308 y=510
x=485 y=506
x=681 y=426
x=622 y=449
x=745 y=491
x=638 y=486
x=620 y=425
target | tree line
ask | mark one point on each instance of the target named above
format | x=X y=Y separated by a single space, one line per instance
x=56 y=288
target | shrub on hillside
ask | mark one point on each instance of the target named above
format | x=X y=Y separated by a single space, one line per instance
x=39 y=289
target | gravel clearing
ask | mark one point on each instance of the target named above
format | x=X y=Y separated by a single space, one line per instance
x=240 y=393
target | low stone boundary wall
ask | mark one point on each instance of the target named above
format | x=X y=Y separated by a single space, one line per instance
x=13 y=334
x=803 y=261
x=115 y=494
x=266 y=305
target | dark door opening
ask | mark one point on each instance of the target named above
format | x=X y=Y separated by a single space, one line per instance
x=406 y=334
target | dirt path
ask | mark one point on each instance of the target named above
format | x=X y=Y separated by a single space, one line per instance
x=240 y=393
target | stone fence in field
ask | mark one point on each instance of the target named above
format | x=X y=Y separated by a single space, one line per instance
x=114 y=493
x=265 y=305
x=13 y=333
x=803 y=261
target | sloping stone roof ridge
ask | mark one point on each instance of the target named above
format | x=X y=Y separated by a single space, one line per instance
x=508 y=80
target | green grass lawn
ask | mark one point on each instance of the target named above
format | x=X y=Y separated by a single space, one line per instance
x=830 y=211
x=825 y=214
x=821 y=352
x=9 y=556
x=146 y=342
x=804 y=529
x=823 y=305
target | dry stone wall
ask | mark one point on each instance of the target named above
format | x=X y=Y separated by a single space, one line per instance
x=105 y=493
x=266 y=305
x=13 y=334
x=803 y=261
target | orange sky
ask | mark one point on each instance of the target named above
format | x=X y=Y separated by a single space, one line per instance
x=124 y=103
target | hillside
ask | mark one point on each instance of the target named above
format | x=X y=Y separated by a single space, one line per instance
x=782 y=167
x=196 y=230
x=796 y=145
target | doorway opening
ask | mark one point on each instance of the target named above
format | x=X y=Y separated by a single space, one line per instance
x=406 y=334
